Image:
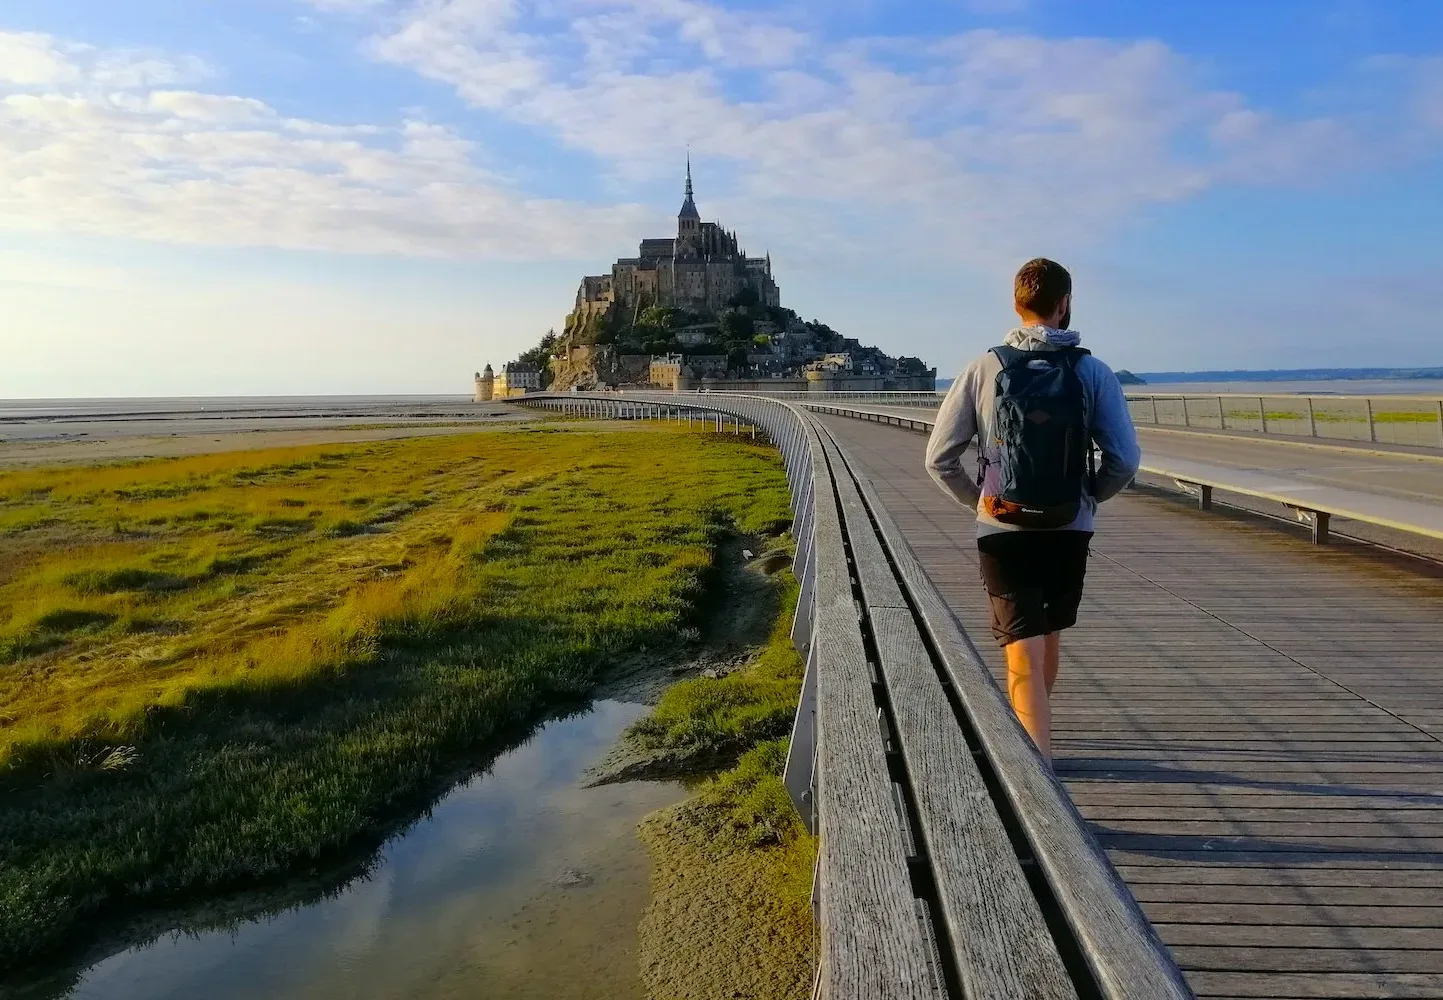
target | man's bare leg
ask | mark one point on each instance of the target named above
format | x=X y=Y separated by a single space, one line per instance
x=1027 y=684
x=1054 y=654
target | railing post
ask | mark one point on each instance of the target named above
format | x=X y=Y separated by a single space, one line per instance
x=1186 y=419
x=1222 y=419
x=1313 y=419
x=1372 y=427
x=1154 y=410
x=1440 y=422
x=1262 y=414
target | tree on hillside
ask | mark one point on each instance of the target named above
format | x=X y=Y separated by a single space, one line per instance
x=540 y=356
x=654 y=323
x=747 y=298
x=737 y=327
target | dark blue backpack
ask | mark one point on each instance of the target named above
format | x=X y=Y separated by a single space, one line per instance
x=1039 y=426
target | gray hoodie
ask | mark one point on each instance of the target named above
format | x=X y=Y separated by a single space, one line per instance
x=967 y=410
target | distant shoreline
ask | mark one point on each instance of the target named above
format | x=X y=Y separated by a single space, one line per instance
x=1295 y=375
x=1302 y=379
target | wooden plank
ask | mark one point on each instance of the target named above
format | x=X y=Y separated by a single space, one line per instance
x=1002 y=943
x=1168 y=810
x=1302 y=895
x=996 y=929
x=1223 y=670
x=1358 y=941
x=871 y=940
x=1126 y=956
x=1322 y=986
x=1283 y=914
x=1229 y=958
x=879 y=585
x=1388 y=878
x=1314 y=857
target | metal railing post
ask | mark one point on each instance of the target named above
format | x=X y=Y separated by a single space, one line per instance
x=1222 y=419
x=1154 y=410
x=1263 y=414
x=1186 y=418
x=1440 y=422
x=1372 y=427
x=1312 y=419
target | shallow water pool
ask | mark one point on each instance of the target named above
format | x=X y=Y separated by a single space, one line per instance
x=518 y=884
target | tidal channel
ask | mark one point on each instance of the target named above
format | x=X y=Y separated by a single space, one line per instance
x=518 y=884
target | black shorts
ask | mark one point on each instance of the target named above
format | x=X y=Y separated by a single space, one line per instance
x=1033 y=580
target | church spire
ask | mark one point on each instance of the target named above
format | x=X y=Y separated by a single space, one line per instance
x=688 y=207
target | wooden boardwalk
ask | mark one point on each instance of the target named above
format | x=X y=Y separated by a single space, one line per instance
x=1252 y=726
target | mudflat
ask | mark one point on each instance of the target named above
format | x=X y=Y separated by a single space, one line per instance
x=60 y=434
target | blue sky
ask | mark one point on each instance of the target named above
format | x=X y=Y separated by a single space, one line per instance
x=267 y=196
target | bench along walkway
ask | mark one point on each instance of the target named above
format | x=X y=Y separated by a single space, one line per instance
x=951 y=862
x=1252 y=727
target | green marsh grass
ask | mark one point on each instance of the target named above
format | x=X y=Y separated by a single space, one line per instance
x=217 y=669
x=715 y=720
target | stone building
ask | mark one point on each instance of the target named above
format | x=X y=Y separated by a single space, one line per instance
x=700 y=270
x=516 y=378
x=485 y=385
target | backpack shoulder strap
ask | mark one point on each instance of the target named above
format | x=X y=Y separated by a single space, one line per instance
x=1009 y=356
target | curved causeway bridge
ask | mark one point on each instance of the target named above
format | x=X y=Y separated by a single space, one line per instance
x=1248 y=740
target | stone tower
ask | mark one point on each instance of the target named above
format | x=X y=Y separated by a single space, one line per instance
x=485 y=385
x=688 y=220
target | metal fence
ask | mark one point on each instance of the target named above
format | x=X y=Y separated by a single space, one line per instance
x=1402 y=420
x=890 y=397
x=1399 y=420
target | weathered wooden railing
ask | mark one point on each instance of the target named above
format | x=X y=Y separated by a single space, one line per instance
x=951 y=863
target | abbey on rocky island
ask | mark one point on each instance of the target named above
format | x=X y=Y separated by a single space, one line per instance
x=694 y=311
x=701 y=270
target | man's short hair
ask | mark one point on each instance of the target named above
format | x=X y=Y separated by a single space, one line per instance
x=1040 y=286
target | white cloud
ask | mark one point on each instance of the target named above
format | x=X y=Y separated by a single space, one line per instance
x=96 y=142
x=217 y=109
x=981 y=140
x=30 y=59
x=962 y=147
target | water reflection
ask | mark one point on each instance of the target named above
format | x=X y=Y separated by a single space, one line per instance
x=519 y=884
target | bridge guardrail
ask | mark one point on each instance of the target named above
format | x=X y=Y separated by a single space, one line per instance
x=930 y=803
x=1415 y=421
x=1399 y=420
x=1315 y=505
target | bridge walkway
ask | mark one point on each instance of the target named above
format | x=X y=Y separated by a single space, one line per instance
x=1252 y=726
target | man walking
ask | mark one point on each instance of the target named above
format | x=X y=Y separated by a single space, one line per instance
x=1036 y=405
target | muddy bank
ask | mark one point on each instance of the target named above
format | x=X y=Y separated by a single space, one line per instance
x=726 y=920
x=730 y=914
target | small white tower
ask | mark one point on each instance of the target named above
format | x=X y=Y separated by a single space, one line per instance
x=485 y=385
